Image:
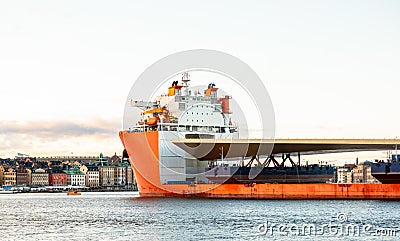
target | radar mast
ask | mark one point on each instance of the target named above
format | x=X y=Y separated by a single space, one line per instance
x=185 y=80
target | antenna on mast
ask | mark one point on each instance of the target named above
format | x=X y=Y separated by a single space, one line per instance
x=185 y=80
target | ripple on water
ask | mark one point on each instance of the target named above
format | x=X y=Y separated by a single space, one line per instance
x=118 y=216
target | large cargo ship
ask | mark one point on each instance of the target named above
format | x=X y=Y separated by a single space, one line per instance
x=186 y=145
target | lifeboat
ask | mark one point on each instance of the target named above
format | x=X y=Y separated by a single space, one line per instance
x=152 y=121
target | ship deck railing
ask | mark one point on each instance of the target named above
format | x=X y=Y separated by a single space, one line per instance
x=183 y=128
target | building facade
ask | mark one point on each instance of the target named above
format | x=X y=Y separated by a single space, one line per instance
x=58 y=179
x=22 y=176
x=362 y=174
x=106 y=172
x=1 y=175
x=9 y=177
x=92 y=177
x=29 y=176
x=344 y=175
x=75 y=176
x=130 y=177
x=106 y=176
x=120 y=175
x=40 y=177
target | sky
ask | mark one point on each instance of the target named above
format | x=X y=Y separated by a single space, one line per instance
x=66 y=67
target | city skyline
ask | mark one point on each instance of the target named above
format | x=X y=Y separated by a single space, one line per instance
x=67 y=67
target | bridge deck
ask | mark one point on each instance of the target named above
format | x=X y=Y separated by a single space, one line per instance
x=210 y=149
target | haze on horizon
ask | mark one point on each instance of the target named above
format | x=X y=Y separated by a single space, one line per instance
x=331 y=68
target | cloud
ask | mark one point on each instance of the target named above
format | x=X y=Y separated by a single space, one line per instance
x=54 y=129
x=43 y=137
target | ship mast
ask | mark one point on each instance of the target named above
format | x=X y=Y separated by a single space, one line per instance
x=185 y=80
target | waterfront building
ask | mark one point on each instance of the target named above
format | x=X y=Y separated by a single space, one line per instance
x=9 y=177
x=107 y=172
x=116 y=173
x=29 y=177
x=57 y=177
x=1 y=175
x=362 y=174
x=120 y=175
x=130 y=177
x=92 y=175
x=75 y=176
x=106 y=176
x=40 y=177
x=22 y=176
x=344 y=174
x=119 y=170
x=123 y=175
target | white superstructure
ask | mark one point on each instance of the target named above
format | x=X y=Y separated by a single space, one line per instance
x=185 y=113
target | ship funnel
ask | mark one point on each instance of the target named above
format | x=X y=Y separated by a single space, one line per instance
x=211 y=91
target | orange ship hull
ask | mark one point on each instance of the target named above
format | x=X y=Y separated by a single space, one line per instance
x=142 y=148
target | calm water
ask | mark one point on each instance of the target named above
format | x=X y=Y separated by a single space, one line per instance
x=124 y=216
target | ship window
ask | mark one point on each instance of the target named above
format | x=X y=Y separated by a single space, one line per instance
x=181 y=106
